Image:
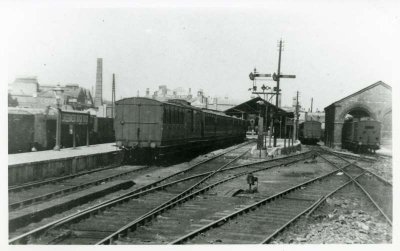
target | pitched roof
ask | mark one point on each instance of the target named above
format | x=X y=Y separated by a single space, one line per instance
x=362 y=90
x=250 y=106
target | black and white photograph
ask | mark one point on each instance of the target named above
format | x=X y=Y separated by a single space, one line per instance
x=200 y=124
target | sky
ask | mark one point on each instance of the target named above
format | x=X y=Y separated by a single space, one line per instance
x=333 y=48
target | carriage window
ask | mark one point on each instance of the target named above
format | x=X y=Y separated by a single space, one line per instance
x=369 y=127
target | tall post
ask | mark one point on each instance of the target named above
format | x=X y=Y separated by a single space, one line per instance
x=87 y=130
x=270 y=129
x=277 y=87
x=296 y=129
x=284 y=139
x=260 y=130
x=58 y=131
x=266 y=124
x=73 y=136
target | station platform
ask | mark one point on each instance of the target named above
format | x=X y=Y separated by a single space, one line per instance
x=34 y=166
x=29 y=157
x=272 y=151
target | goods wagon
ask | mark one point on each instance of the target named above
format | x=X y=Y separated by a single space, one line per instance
x=151 y=129
x=36 y=129
x=310 y=132
x=361 y=135
x=20 y=132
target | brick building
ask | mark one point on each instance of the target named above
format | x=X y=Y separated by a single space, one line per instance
x=374 y=101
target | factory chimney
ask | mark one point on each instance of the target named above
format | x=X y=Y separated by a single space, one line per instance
x=98 y=98
x=113 y=97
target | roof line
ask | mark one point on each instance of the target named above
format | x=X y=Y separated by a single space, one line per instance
x=362 y=90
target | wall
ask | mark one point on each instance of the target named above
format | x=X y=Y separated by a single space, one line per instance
x=35 y=171
x=375 y=101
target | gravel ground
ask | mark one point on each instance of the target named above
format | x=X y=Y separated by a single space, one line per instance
x=345 y=218
x=382 y=167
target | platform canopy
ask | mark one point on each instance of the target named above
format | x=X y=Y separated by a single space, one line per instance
x=253 y=107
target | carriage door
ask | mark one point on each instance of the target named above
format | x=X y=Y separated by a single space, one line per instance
x=129 y=121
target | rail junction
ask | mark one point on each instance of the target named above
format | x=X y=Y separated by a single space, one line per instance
x=207 y=201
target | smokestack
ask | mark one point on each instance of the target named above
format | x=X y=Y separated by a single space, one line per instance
x=113 y=96
x=98 y=98
x=311 y=104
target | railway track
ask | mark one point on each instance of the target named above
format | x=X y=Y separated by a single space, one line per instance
x=29 y=194
x=377 y=189
x=156 y=212
x=18 y=237
x=29 y=185
x=264 y=220
x=219 y=199
x=83 y=220
x=259 y=222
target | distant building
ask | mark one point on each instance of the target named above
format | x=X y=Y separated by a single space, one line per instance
x=305 y=115
x=199 y=100
x=29 y=94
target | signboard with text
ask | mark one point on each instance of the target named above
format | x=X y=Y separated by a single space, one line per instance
x=74 y=118
x=289 y=121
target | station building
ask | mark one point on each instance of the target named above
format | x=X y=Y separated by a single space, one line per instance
x=251 y=110
x=374 y=101
x=28 y=93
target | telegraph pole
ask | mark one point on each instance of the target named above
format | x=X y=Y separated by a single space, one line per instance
x=295 y=132
x=277 y=78
x=277 y=88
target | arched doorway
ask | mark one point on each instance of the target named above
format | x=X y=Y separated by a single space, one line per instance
x=350 y=126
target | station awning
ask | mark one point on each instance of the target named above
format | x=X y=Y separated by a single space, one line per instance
x=252 y=106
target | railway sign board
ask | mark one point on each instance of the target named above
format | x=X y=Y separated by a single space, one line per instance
x=251 y=76
x=275 y=76
x=263 y=75
x=287 y=76
x=74 y=118
x=289 y=122
x=258 y=75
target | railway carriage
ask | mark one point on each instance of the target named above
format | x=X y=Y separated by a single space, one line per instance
x=30 y=127
x=361 y=135
x=310 y=132
x=151 y=129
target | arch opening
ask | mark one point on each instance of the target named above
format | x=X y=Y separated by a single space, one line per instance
x=359 y=126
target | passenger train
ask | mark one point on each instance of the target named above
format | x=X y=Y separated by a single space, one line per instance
x=151 y=129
